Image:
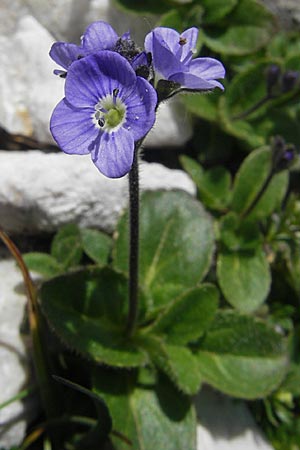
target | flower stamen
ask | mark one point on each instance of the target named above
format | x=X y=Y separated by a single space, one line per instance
x=110 y=112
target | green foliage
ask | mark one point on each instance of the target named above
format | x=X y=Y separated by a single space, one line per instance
x=67 y=249
x=244 y=279
x=242 y=356
x=86 y=309
x=151 y=418
x=188 y=316
x=176 y=245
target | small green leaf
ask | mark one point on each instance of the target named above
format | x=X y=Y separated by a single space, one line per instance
x=177 y=362
x=213 y=184
x=204 y=106
x=248 y=28
x=66 y=246
x=87 y=311
x=242 y=356
x=215 y=10
x=152 y=419
x=237 y=234
x=42 y=263
x=176 y=244
x=251 y=178
x=147 y=6
x=188 y=316
x=96 y=245
x=244 y=278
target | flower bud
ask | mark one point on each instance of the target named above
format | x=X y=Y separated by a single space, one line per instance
x=289 y=80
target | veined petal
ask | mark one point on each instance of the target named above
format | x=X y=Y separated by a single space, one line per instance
x=191 y=81
x=167 y=37
x=97 y=75
x=113 y=153
x=207 y=68
x=140 y=109
x=164 y=61
x=64 y=54
x=99 y=36
x=73 y=128
x=190 y=36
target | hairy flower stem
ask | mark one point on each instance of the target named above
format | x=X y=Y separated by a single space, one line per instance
x=133 y=244
x=253 y=108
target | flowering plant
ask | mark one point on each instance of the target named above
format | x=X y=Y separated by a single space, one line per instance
x=108 y=107
x=176 y=297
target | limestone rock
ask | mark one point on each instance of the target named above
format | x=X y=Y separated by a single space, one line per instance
x=14 y=362
x=39 y=192
x=226 y=424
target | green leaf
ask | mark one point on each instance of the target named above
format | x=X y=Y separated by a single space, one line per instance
x=238 y=234
x=242 y=356
x=147 y=6
x=292 y=382
x=42 y=263
x=183 y=17
x=152 y=419
x=247 y=89
x=204 y=106
x=189 y=316
x=177 y=362
x=213 y=184
x=87 y=311
x=251 y=178
x=66 y=246
x=96 y=245
x=248 y=28
x=215 y=10
x=244 y=278
x=176 y=244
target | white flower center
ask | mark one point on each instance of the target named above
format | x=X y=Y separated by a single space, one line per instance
x=110 y=112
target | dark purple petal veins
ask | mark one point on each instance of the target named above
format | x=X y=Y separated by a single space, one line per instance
x=113 y=153
x=99 y=36
x=72 y=128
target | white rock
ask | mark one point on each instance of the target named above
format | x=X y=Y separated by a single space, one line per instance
x=40 y=192
x=28 y=89
x=14 y=362
x=226 y=424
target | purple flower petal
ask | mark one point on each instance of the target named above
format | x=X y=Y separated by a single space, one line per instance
x=64 y=54
x=72 y=128
x=191 y=81
x=190 y=36
x=140 y=60
x=167 y=37
x=207 y=68
x=113 y=154
x=164 y=61
x=140 y=113
x=97 y=75
x=99 y=36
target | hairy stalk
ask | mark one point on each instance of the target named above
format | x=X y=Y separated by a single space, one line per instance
x=253 y=108
x=133 y=244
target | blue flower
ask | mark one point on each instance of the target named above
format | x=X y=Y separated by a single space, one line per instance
x=106 y=109
x=97 y=37
x=172 y=58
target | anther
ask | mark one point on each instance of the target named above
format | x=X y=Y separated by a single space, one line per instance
x=115 y=92
x=182 y=40
x=101 y=122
